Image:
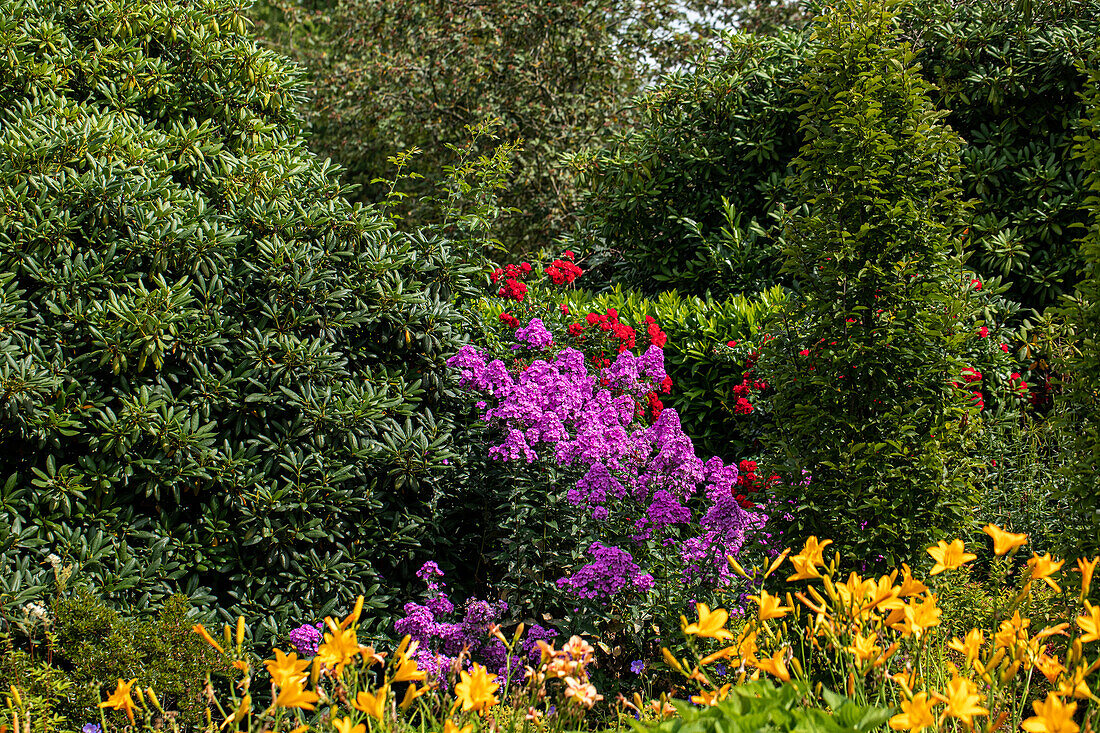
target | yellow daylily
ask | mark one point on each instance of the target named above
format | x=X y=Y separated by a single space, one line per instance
x=949 y=556
x=407 y=671
x=344 y=725
x=916 y=619
x=476 y=688
x=910 y=586
x=1004 y=542
x=1086 y=568
x=970 y=646
x=201 y=631
x=1052 y=716
x=711 y=623
x=372 y=704
x=963 y=700
x=916 y=714
x=1042 y=567
x=411 y=693
x=776 y=666
x=295 y=696
x=450 y=727
x=1090 y=623
x=864 y=648
x=712 y=697
x=120 y=699
x=339 y=648
x=286 y=669
x=769 y=606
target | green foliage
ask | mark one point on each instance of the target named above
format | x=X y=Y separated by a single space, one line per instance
x=1082 y=399
x=703 y=368
x=394 y=74
x=217 y=376
x=688 y=199
x=87 y=646
x=728 y=131
x=761 y=706
x=1008 y=73
x=864 y=361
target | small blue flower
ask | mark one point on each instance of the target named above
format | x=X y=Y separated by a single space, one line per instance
x=91 y=728
x=720 y=670
x=637 y=666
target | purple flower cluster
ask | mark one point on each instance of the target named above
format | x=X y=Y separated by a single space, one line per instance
x=633 y=474
x=305 y=639
x=534 y=335
x=441 y=640
x=612 y=570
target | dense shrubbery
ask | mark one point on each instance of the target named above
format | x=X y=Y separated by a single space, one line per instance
x=728 y=133
x=217 y=375
x=226 y=388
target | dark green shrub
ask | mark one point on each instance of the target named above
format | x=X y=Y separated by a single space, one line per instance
x=87 y=646
x=729 y=131
x=864 y=361
x=1081 y=423
x=217 y=376
x=688 y=200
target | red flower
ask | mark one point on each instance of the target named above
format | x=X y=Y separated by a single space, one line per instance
x=509 y=320
x=983 y=332
x=804 y=352
x=594 y=318
x=525 y=267
x=970 y=374
x=657 y=337
x=666 y=384
x=731 y=344
x=576 y=329
x=568 y=254
x=1004 y=348
x=564 y=309
x=743 y=406
x=976 y=283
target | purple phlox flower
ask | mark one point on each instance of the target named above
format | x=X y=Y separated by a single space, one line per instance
x=612 y=571
x=530 y=645
x=535 y=335
x=305 y=639
x=91 y=728
x=637 y=666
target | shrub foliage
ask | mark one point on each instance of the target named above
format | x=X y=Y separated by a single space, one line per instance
x=216 y=375
x=865 y=359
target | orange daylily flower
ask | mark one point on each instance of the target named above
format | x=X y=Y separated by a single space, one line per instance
x=712 y=697
x=963 y=700
x=1004 y=542
x=343 y=725
x=201 y=631
x=1052 y=716
x=1042 y=567
x=776 y=666
x=1090 y=623
x=710 y=623
x=916 y=714
x=476 y=688
x=120 y=699
x=769 y=606
x=1086 y=568
x=286 y=669
x=949 y=556
x=294 y=696
x=373 y=705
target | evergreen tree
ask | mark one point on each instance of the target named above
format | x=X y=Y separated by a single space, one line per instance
x=864 y=363
x=1082 y=398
